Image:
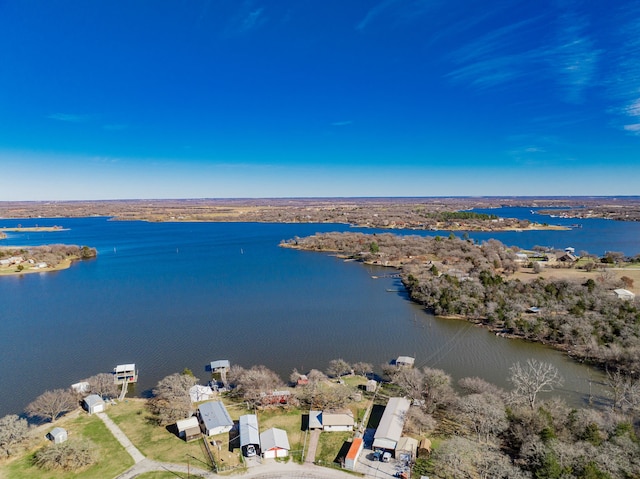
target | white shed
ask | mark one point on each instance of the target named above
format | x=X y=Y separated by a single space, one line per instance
x=94 y=404
x=58 y=435
x=275 y=443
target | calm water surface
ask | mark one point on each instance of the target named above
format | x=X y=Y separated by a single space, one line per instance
x=173 y=295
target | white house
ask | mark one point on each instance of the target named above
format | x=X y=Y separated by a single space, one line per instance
x=332 y=420
x=214 y=418
x=275 y=443
x=198 y=393
x=93 y=404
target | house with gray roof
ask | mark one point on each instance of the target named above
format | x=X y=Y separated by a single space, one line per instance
x=214 y=418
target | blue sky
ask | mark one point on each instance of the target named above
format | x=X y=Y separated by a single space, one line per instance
x=235 y=98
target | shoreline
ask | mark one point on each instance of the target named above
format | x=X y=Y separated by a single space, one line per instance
x=64 y=264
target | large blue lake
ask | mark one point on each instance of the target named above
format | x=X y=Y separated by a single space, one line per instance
x=173 y=295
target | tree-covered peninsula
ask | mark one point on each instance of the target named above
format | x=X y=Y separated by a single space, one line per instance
x=552 y=297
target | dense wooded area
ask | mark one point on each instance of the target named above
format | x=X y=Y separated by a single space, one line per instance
x=456 y=277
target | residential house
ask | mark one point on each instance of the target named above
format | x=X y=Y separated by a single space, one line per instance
x=214 y=418
x=199 y=393
x=332 y=420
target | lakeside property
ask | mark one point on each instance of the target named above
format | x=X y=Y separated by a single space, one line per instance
x=410 y=422
x=39 y=259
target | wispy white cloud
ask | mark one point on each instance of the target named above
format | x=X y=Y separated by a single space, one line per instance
x=253 y=19
x=623 y=82
x=72 y=118
x=342 y=123
x=374 y=12
x=519 y=52
x=574 y=59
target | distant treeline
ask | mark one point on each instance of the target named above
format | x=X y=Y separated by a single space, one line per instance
x=459 y=215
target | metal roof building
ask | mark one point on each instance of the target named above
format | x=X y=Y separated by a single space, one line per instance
x=391 y=424
x=249 y=433
x=214 y=418
x=275 y=443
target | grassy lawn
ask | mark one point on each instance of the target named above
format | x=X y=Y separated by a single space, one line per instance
x=291 y=421
x=113 y=458
x=331 y=445
x=154 y=441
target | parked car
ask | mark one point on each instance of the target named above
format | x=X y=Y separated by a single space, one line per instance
x=386 y=457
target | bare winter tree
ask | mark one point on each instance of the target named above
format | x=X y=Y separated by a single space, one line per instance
x=338 y=367
x=251 y=383
x=171 y=401
x=52 y=404
x=68 y=456
x=103 y=385
x=363 y=369
x=533 y=378
x=13 y=430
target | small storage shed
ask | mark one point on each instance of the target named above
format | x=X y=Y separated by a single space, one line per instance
x=249 y=435
x=58 y=435
x=275 y=443
x=354 y=452
x=214 y=418
x=93 y=404
x=188 y=429
x=424 y=449
x=371 y=385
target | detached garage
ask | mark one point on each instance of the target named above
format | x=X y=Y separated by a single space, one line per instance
x=94 y=404
x=275 y=443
